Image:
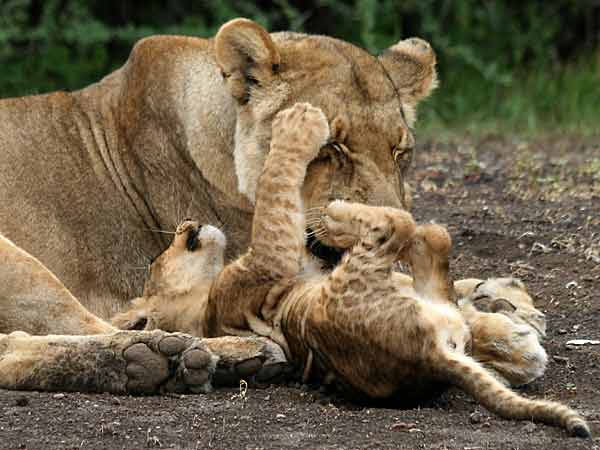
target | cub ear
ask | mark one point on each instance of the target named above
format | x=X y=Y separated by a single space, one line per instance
x=411 y=65
x=502 y=305
x=246 y=55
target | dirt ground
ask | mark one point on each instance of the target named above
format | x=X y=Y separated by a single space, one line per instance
x=525 y=208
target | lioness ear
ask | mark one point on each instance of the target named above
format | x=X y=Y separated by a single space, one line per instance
x=246 y=55
x=411 y=65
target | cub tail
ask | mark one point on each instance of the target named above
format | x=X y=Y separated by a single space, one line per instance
x=474 y=379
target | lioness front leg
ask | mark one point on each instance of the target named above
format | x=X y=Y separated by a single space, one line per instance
x=126 y=362
x=239 y=302
x=135 y=362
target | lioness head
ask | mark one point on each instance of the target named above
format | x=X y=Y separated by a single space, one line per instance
x=369 y=101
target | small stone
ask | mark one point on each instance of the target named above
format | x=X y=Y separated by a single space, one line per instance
x=403 y=426
x=280 y=416
x=58 y=396
x=562 y=331
x=571 y=285
x=22 y=401
x=561 y=359
x=530 y=427
x=475 y=417
x=583 y=342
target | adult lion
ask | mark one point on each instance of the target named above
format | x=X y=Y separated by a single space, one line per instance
x=183 y=128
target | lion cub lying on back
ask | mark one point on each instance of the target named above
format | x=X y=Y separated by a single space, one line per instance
x=505 y=338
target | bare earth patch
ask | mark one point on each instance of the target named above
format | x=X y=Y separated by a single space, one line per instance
x=524 y=208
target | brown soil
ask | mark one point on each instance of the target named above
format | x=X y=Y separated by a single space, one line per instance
x=527 y=209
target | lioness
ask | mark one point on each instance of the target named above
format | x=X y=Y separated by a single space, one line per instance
x=182 y=129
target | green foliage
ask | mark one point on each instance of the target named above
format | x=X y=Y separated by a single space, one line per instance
x=523 y=64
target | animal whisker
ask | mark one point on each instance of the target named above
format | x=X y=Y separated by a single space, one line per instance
x=153 y=230
x=318 y=232
x=311 y=223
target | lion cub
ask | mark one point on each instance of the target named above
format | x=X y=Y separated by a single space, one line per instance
x=176 y=291
x=354 y=325
x=506 y=329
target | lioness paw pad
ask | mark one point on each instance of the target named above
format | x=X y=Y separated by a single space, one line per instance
x=169 y=363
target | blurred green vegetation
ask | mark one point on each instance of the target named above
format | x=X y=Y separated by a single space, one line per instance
x=504 y=64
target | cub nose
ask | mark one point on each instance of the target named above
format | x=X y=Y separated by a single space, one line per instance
x=192 y=239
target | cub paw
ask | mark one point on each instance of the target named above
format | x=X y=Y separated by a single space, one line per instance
x=303 y=127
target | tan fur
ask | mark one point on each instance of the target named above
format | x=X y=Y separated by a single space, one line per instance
x=506 y=328
x=176 y=292
x=506 y=341
x=354 y=325
x=491 y=295
x=34 y=301
x=83 y=173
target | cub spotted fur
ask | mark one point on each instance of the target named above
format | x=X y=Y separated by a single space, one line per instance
x=353 y=325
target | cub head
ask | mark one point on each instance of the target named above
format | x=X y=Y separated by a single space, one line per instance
x=188 y=265
x=507 y=296
x=370 y=102
x=195 y=256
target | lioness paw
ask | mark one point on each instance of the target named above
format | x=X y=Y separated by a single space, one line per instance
x=302 y=127
x=168 y=363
